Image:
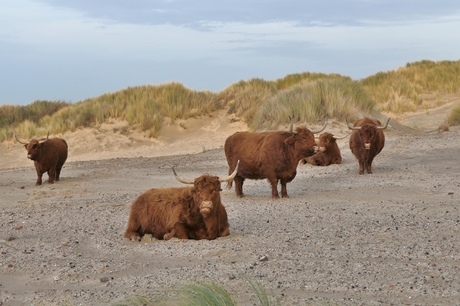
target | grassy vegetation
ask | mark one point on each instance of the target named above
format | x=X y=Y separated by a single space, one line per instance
x=454 y=117
x=263 y=105
x=403 y=89
x=203 y=293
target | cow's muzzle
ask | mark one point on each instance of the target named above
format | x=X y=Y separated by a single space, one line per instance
x=206 y=207
x=367 y=145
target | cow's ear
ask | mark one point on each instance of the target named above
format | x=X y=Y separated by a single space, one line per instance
x=25 y=146
x=290 y=141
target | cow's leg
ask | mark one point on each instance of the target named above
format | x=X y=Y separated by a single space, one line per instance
x=369 y=166
x=58 y=172
x=132 y=231
x=51 y=175
x=239 y=186
x=225 y=232
x=274 y=184
x=178 y=231
x=39 y=178
x=361 y=167
x=284 y=189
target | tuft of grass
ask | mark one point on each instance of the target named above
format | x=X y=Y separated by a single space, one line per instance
x=206 y=294
x=454 y=117
x=311 y=101
x=264 y=298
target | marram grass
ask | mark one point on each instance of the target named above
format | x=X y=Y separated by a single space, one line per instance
x=262 y=105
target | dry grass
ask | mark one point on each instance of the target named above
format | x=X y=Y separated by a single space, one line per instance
x=403 y=90
x=307 y=97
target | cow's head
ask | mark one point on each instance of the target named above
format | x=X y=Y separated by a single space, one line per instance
x=303 y=139
x=206 y=190
x=303 y=142
x=367 y=132
x=327 y=140
x=33 y=147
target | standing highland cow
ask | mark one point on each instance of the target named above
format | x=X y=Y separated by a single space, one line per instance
x=270 y=155
x=49 y=155
x=366 y=141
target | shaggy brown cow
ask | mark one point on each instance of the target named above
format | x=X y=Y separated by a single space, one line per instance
x=49 y=155
x=366 y=141
x=188 y=212
x=328 y=151
x=270 y=155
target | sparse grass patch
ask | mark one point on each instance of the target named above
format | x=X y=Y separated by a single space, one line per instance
x=454 y=117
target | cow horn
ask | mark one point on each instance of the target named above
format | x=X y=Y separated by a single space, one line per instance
x=231 y=176
x=352 y=127
x=181 y=179
x=322 y=128
x=291 y=125
x=339 y=138
x=17 y=139
x=43 y=140
x=384 y=127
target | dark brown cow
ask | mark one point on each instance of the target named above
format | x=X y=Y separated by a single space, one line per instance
x=366 y=141
x=270 y=155
x=328 y=151
x=188 y=212
x=49 y=155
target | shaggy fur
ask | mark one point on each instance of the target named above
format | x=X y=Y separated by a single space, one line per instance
x=367 y=136
x=270 y=155
x=328 y=152
x=48 y=156
x=187 y=212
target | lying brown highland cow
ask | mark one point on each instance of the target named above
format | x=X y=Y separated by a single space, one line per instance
x=188 y=212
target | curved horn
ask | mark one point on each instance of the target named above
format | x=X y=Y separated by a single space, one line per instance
x=43 y=140
x=322 y=128
x=291 y=125
x=339 y=138
x=17 y=139
x=384 y=127
x=231 y=176
x=352 y=127
x=181 y=179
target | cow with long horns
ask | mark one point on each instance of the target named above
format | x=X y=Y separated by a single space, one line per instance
x=269 y=155
x=328 y=151
x=185 y=213
x=48 y=154
x=366 y=141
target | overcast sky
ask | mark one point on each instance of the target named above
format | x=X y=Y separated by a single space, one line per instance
x=76 y=49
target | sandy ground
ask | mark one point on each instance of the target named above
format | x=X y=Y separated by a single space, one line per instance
x=389 y=238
